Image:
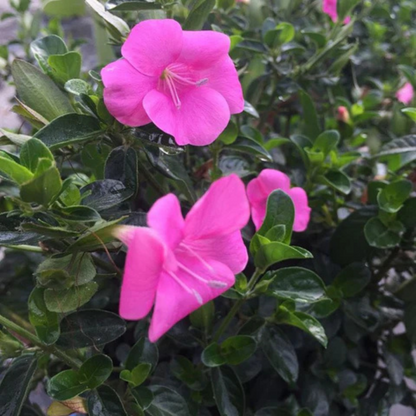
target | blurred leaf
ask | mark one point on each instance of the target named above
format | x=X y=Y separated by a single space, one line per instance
x=338 y=180
x=167 y=402
x=104 y=401
x=399 y=152
x=121 y=165
x=38 y=91
x=250 y=146
x=352 y=279
x=198 y=14
x=392 y=197
x=189 y=374
x=132 y=5
x=63 y=8
x=381 y=236
x=311 y=125
x=407 y=214
x=212 y=356
x=13 y=170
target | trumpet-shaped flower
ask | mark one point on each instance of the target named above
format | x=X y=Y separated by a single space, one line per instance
x=330 y=8
x=259 y=189
x=182 y=81
x=405 y=94
x=179 y=264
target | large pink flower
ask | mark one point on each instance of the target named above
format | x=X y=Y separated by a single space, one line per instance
x=330 y=8
x=405 y=94
x=182 y=81
x=259 y=189
x=179 y=264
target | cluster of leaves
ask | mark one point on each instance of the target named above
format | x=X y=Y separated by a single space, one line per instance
x=281 y=342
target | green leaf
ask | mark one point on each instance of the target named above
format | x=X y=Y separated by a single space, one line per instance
x=91 y=327
x=407 y=214
x=121 y=165
x=303 y=321
x=63 y=8
x=167 y=402
x=78 y=87
x=65 y=385
x=280 y=353
x=392 y=197
x=65 y=67
x=67 y=300
x=228 y=392
x=399 y=152
x=8 y=137
x=381 y=236
x=203 y=317
x=280 y=211
x=104 y=401
x=411 y=112
x=138 y=375
x=15 y=385
x=237 y=349
x=295 y=283
x=212 y=355
x=132 y=5
x=69 y=129
x=326 y=142
x=44 y=47
x=95 y=371
x=281 y=34
x=143 y=396
x=117 y=27
x=275 y=252
x=311 y=127
x=94 y=157
x=14 y=171
x=78 y=214
x=39 y=92
x=46 y=323
x=198 y=14
x=143 y=351
x=229 y=135
x=352 y=279
x=338 y=180
x=31 y=152
x=44 y=187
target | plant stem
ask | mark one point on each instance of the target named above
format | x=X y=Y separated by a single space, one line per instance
x=33 y=339
x=385 y=267
x=224 y=325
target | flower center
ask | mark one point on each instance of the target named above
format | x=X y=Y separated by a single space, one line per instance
x=175 y=77
x=215 y=284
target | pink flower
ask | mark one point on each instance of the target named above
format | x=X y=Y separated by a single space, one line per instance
x=343 y=114
x=182 y=81
x=259 y=189
x=330 y=8
x=179 y=264
x=405 y=94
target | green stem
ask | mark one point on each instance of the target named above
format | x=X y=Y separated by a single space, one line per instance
x=233 y=311
x=23 y=247
x=33 y=339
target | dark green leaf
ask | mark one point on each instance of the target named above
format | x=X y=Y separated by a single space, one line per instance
x=44 y=47
x=212 y=356
x=353 y=279
x=90 y=328
x=311 y=127
x=31 y=152
x=138 y=375
x=381 y=236
x=94 y=157
x=69 y=129
x=392 y=197
x=399 y=152
x=104 y=401
x=121 y=165
x=228 y=392
x=280 y=353
x=167 y=402
x=237 y=349
x=338 y=180
x=296 y=283
x=143 y=396
x=78 y=214
x=46 y=323
x=407 y=215
x=250 y=146
x=95 y=371
x=275 y=252
x=14 y=387
x=143 y=351
x=185 y=371
x=198 y=14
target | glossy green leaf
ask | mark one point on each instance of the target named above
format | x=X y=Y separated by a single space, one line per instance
x=69 y=129
x=94 y=157
x=250 y=146
x=95 y=371
x=280 y=353
x=212 y=355
x=399 y=152
x=237 y=349
x=78 y=214
x=138 y=375
x=143 y=396
x=326 y=142
x=65 y=67
x=88 y=328
x=38 y=91
x=44 y=47
x=14 y=171
x=352 y=279
x=167 y=402
x=78 y=87
x=203 y=317
x=275 y=252
x=296 y=283
x=303 y=321
x=338 y=180
x=31 y=152
x=121 y=165
x=46 y=323
x=15 y=385
x=381 y=236
x=228 y=392
x=189 y=374
x=411 y=112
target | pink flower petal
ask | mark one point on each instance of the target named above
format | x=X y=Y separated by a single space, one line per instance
x=228 y=249
x=330 y=8
x=223 y=77
x=222 y=210
x=152 y=45
x=174 y=301
x=405 y=94
x=201 y=49
x=166 y=218
x=124 y=91
x=302 y=210
x=258 y=213
x=144 y=262
x=202 y=116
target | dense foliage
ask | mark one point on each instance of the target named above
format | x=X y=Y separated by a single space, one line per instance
x=320 y=323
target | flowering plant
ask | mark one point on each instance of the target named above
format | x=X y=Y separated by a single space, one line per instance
x=213 y=213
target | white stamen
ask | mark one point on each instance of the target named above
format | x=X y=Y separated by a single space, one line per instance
x=198 y=297
x=216 y=284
